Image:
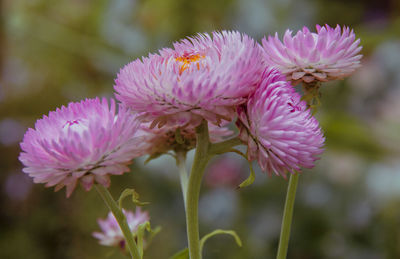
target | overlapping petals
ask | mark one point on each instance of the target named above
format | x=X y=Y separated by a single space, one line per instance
x=279 y=131
x=328 y=54
x=86 y=142
x=112 y=235
x=201 y=77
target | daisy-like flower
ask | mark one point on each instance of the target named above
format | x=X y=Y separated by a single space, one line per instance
x=157 y=141
x=328 y=54
x=280 y=132
x=112 y=235
x=85 y=142
x=201 y=77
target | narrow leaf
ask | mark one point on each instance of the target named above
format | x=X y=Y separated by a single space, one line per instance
x=220 y=231
x=183 y=254
x=154 y=156
x=135 y=197
x=249 y=179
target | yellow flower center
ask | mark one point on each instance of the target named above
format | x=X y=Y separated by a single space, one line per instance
x=187 y=59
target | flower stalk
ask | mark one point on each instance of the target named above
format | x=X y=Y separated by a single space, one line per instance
x=287 y=216
x=201 y=158
x=121 y=219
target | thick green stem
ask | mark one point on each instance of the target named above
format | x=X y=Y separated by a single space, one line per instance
x=181 y=163
x=120 y=217
x=287 y=216
x=201 y=159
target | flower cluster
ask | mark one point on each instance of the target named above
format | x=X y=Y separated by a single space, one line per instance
x=165 y=96
x=112 y=235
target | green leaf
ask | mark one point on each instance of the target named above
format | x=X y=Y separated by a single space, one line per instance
x=220 y=231
x=135 y=197
x=252 y=175
x=249 y=179
x=183 y=254
x=153 y=156
x=140 y=233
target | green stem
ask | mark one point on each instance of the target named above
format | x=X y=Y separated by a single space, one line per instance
x=287 y=216
x=225 y=146
x=181 y=163
x=201 y=159
x=120 y=217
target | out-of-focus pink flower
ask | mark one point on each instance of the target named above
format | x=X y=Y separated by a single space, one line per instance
x=85 y=141
x=280 y=132
x=201 y=77
x=161 y=140
x=328 y=54
x=112 y=235
x=225 y=171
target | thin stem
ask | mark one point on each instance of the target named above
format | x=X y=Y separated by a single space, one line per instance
x=183 y=176
x=224 y=146
x=287 y=216
x=201 y=159
x=120 y=217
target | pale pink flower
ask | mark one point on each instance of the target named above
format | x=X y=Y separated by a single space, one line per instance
x=279 y=131
x=85 y=142
x=226 y=171
x=157 y=141
x=112 y=235
x=201 y=77
x=328 y=54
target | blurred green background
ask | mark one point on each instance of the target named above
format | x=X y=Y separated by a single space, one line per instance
x=348 y=206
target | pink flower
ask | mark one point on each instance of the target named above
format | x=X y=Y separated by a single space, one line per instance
x=278 y=129
x=202 y=77
x=161 y=140
x=328 y=54
x=112 y=235
x=84 y=142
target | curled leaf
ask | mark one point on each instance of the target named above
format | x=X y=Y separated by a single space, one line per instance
x=135 y=197
x=140 y=233
x=220 y=231
x=153 y=156
x=249 y=179
x=252 y=176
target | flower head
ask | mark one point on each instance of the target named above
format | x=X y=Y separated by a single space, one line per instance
x=278 y=129
x=328 y=54
x=86 y=142
x=201 y=77
x=112 y=235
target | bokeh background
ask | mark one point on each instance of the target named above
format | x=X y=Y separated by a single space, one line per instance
x=54 y=52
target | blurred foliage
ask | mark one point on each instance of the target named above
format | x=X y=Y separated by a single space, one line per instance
x=52 y=53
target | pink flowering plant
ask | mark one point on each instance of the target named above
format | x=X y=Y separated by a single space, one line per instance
x=183 y=98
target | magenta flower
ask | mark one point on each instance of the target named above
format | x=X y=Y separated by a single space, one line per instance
x=112 y=235
x=202 y=77
x=280 y=132
x=328 y=54
x=157 y=141
x=84 y=142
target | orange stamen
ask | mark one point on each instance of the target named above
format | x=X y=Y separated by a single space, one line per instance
x=187 y=59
